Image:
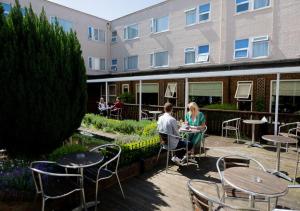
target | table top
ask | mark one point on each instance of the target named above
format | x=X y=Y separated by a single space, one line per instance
x=279 y=139
x=155 y=112
x=80 y=160
x=190 y=130
x=255 y=181
x=253 y=121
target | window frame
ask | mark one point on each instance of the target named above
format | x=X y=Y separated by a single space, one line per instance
x=126 y=62
x=203 y=54
x=137 y=91
x=114 y=67
x=203 y=13
x=187 y=50
x=189 y=10
x=123 y=86
x=114 y=37
x=207 y=82
x=61 y=19
x=172 y=93
x=154 y=25
x=239 y=83
x=265 y=38
x=104 y=63
x=109 y=94
x=261 y=8
x=241 y=49
x=92 y=61
x=93 y=37
x=125 y=32
x=152 y=58
x=245 y=2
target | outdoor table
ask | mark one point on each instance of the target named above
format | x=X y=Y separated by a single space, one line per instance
x=253 y=123
x=81 y=161
x=255 y=182
x=155 y=113
x=278 y=140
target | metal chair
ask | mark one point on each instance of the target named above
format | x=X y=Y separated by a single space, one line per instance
x=55 y=184
x=203 y=141
x=297 y=165
x=116 y=113
x=290 y=187
x=165 y=138
x=232 y=125
x=291 y=130
x=95 y=174
x=230 y=161
x=209 y=202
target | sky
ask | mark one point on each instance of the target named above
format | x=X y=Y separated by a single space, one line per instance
x=107 y=9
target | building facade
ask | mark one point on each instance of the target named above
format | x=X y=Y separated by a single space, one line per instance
x=188 y=36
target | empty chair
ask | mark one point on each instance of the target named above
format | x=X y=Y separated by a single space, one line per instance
x=291 y=129
x=232 y=125
x=107 y=169
x=54 y=184
x=165 y=144
x=209 y=200
x=230 y=161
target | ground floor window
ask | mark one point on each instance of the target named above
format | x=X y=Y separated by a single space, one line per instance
x=289 y=96
x=243 y=95
x=206 y=93
x=171 y=93
x=150 y=93
x=112 y=93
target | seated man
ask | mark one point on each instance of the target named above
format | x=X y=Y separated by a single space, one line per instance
x=168 y=125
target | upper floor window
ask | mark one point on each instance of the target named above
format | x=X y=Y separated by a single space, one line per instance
x=114 y=35
x=204 y=11
x=102 y=64
x=66 y=25
x=203 y=53
x=131 y=32
x=159 y=59
x=190 y=55
x=242 y=5
x=241 y=48
x=190 y=17
x=114 y=64
x=246 y=5
x=202 y=56
x=160 y=24
x=96 y=34
x=260 y=47
x=131 y=63
x=261 y=4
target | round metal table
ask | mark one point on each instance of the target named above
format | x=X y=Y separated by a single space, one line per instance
x=278 y=140
x=155 y=113
x=253 y=123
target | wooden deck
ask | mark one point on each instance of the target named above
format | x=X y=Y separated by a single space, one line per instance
x=158 y=190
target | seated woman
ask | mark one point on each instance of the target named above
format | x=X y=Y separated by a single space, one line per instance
x=195 y=118
x=102 y=106
x=117 y=105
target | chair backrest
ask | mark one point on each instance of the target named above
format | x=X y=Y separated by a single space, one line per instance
x=46 y=172
x=233 y=122
x=230 y=161
x=204 y=201
x=111 y=153
x=144 y=115
x=287 y=126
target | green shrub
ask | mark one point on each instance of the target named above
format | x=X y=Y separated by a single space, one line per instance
x=224 y=106
x=87 y=141
x=260 y=104
x=42 y=83
x=127 y=97
x=150 y=129
x=67 y=149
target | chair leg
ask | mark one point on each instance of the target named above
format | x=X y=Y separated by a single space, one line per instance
x=96 y=196
x=43 y=203
x=120 y=185
x=158 y=154
x=83 y=199
x=204 y=146
x=167 y=161
x=226 y=132
x=237 y=136
x=296 y=170
x=286 y=147
x=222 y=132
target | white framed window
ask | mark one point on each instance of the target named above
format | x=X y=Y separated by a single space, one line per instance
x=150 y=93
x=204 y=12
x=96 y=34
x=205 y=93
x=242 y=5
x=203 y=53
x=243 y=90
x=66 y=25
x=102 y=64
x=260 y=47
x=171 y=90
x=95 y=63
x=125 y=88
x=114 y=36
x=258 y=4
x=189 y=55
x=114 y=65
x=112 y=92
x=241 y=48
x=131 y=32
x=131 y=63
x=160 y=24
x=159 y=59
x=191 y=17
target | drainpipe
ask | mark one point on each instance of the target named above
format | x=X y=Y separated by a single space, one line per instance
x=140 y=101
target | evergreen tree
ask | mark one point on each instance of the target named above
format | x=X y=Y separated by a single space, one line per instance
x=42 y=83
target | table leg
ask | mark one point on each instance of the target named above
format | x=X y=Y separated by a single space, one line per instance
x=278 y=157
x=253 y=144
x=251 y=201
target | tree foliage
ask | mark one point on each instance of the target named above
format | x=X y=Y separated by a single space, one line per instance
x=42 y=83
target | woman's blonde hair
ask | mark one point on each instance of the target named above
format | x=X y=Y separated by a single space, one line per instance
x=193 y=107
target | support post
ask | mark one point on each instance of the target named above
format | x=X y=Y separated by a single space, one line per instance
x=140 y=101
x=276 y=104
x=106 y=92
x=186 y=95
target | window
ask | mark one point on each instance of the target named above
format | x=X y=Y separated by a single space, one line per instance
x=261 y=4
x=243 y=90
x=190 y=55
x=171 y=90
x=242 y=5
x=112 y=93
x=102 y=64
x=114 y=64
x=131 y=32
x=149 y=93
x=203 y=53
x=96 y=34
x=66 y=25
x=160 y=24
x=94 y=63
x=125 y=88
x=260 y=47
x=114 y=35
x=159 y=59
x=289 y=96
x=241 y=48
x=131 y=63
x=204 y=11
x=190 y=17
x=205 y=93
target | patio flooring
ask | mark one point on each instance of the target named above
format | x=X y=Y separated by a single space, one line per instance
x=157 y=190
